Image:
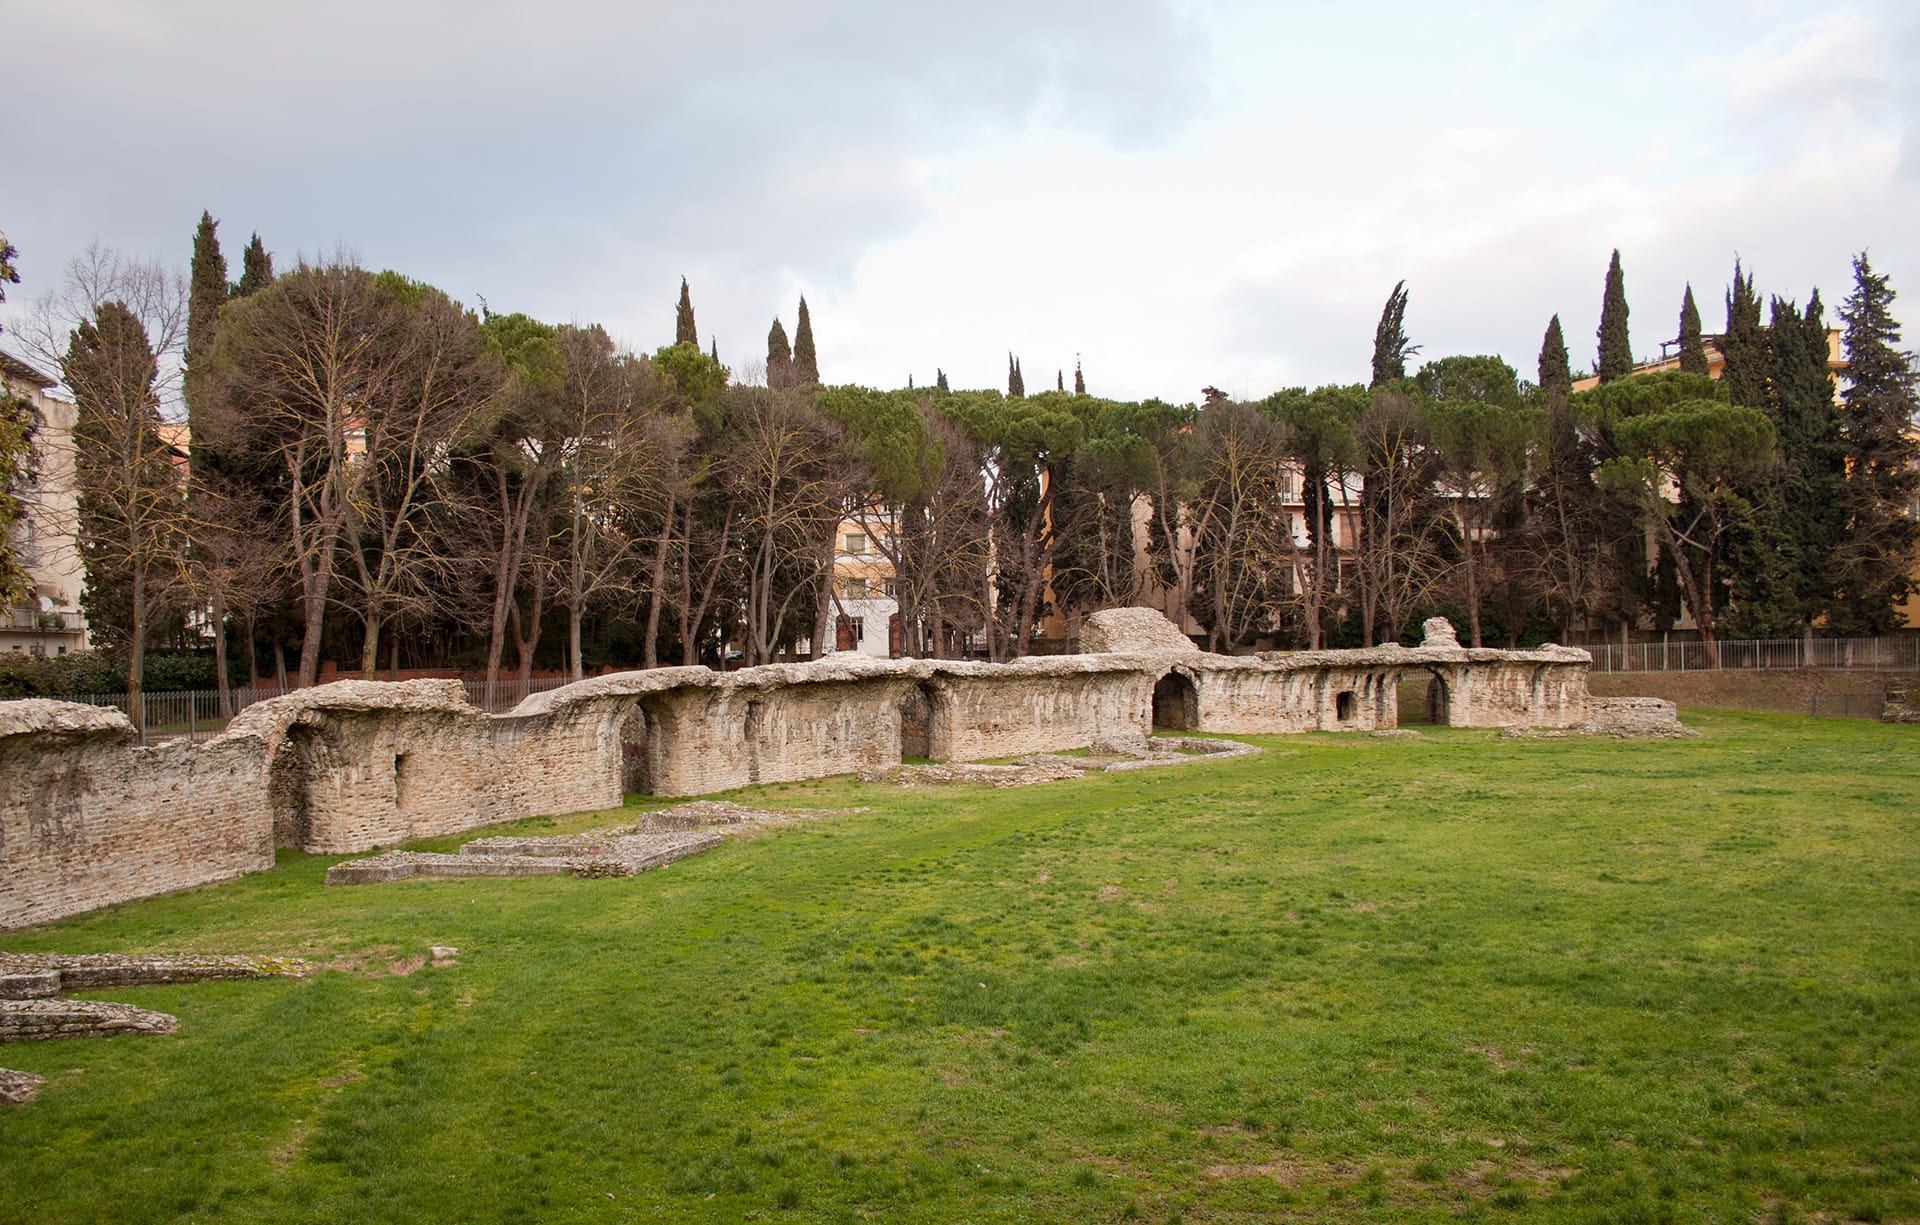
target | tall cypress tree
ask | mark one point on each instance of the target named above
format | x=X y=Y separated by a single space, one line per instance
x=207 y=292
x=1874 y=565
x=1390 y=347
x=207 y=289
x=1555 y=372
x=684 y=333
x=1811 y=484
x=1059 y=380
x=940 y=380
x=1016 y=382
x=779 y=356
x=715 y=354
x=256 y=269
x=806 y=367
x=1744 y=345
x=1693 y=349
x=1079 y=378
x=1616 y=351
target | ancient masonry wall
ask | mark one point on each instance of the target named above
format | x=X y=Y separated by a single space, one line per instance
x=87 y=818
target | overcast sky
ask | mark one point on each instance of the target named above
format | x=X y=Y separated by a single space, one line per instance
x=1181 y=194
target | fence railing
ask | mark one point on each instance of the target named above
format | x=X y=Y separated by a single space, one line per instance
x=1750 y=654
x=194 y=714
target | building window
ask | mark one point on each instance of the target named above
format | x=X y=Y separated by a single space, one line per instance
x=889 y=589
x=856 y=542
x=859 y=628
x=856 y=589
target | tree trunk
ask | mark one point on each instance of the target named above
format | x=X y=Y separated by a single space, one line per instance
x=137 y=648
x=576 y=669
x=370 y=645
x=223 y=698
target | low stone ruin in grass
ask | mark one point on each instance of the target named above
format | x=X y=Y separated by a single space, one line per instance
x=1103 y=757
x=32 y=1007
x=656 y=839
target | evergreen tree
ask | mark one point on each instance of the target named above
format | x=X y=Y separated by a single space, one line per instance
x=940 y=380
x=1874 y=564
x=256 y=269
x=1693 y=350
x=1079 y=379
x=715 y=354
x=684 y=333
x=779 y=356
x=1744 y=345
x=207 y=291
x=1390 y=347
x=1555 y=373
x=1016 y=386
x=806 y=366
x=1616 y=351
x=1781 y=543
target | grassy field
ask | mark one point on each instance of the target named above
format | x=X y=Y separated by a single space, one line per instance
x=1350 y=978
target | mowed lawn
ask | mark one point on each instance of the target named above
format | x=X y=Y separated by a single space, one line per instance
x=1352 y=978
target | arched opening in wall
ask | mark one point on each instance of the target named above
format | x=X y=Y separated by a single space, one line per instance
x=636 y=773
x=1439 y=701
x=1344 y=705
x=1176 y=704
x=288 y=776
x=916 y=724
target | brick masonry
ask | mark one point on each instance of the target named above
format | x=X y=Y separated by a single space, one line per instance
x=87 y=818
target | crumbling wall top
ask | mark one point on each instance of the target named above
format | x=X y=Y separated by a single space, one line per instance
x=1132 y=631
x=44 y=716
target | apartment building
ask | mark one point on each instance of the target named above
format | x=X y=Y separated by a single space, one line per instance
x=45 y=537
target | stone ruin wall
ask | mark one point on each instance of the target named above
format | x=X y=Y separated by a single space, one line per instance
x=87 y=818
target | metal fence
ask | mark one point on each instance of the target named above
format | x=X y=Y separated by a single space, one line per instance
x=1857 y=654
x=194 y=714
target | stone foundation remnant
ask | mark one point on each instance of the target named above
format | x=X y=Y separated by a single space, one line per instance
x=31 y=1009
x=88 y=818
x=655 y=840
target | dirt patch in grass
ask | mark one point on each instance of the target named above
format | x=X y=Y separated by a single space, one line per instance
x=379 y=961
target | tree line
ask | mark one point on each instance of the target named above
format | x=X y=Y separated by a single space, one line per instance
x=381 y=476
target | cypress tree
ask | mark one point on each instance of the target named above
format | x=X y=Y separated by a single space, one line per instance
x=1016 y=383
x=715 y=355
x=1390 y=347
x=207 y=292
x=256 y=269
x=806 y=367
x=1693 y=350
x=1744 y=345
x=1616 y=351
x=1811 y=484
x=1878 y=409
x=1059 y=380
x=684 y=333
x=779 y=356
x=940 y=380
x=207 y=289
x=1555 y=373
x=1079 y=378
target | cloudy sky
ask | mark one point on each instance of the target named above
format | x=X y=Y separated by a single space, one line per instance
x=1182 y=194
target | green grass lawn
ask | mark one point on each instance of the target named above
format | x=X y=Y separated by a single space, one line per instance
x=1350 y=978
